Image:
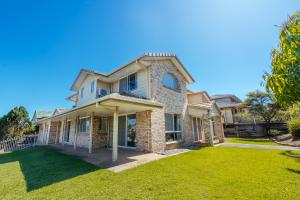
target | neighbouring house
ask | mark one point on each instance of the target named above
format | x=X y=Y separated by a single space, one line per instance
x=230 y=105
x=144 y=105
x=41 y=114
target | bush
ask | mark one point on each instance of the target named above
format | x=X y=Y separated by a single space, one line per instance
x=294 y=127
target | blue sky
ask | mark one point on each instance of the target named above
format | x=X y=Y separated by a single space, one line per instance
x=225 y=44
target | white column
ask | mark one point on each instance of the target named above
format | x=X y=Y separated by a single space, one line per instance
x=211 y=140
x=76 y=131
x=48 y=132
x=91 y=133
x=115 y=135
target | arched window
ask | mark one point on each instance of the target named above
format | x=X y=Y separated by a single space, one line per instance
x=170 y=81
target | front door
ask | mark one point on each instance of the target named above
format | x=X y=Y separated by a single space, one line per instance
x=127 y=131
x=67 y=132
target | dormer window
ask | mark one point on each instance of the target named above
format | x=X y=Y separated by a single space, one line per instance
x=170 y=82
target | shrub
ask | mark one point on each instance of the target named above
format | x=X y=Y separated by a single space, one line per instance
x=294 y=127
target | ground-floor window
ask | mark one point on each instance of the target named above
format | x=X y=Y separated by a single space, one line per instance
x=103 y=125
x=173 y=127
x=84 y=125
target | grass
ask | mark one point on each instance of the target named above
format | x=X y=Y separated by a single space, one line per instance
x=208 y=173
x=259 y=141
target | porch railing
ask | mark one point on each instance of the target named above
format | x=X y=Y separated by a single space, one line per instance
x=18 y=143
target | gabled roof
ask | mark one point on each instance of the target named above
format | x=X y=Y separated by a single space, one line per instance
x=106 y=77
x=224 y=96
x=41 y=114
x=58 y=111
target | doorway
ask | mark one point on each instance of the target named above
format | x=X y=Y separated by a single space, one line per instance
x=197 y=129
x=127 y=131
x=67 y=132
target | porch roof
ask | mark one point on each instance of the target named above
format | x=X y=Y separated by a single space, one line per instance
x=107 y=104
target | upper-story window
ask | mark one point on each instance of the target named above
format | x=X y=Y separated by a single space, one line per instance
x=128 y=83
x=92 y=86
x=170 y=81
x=81 y=92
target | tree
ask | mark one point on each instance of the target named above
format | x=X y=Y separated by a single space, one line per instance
x=15 y=122
x=263 y=105
x=284 y=78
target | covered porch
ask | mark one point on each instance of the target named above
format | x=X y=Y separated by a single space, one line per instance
x=127 y=158
x=112 y=122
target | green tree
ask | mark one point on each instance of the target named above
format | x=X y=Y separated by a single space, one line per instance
x=262 y=105
x=284 y=78
x=15 y=122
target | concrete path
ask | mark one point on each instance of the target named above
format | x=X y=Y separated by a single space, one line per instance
x=226 y=144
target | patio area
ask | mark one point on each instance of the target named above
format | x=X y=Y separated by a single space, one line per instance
x=102 y=157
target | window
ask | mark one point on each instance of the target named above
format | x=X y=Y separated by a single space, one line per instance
x=173 y=127
x=92 y=86
x=170 y=81
x=81 y=93
x=132 y=82
x=84 y=125
x=103 y=125
x=128 y=83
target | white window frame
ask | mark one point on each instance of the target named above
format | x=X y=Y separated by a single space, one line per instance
x=126 y=133
x=180 y=131
x=127 y=78
x=93 y=86
x=107 y=124
x=81 y=92
x=79 y=124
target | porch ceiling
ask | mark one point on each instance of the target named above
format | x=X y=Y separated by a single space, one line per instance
x=198 y=111
x=106 y=106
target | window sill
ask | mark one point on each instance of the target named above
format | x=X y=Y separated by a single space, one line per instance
x=175 y=90
x=175 y=142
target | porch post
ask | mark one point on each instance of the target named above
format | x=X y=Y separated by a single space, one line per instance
x=75 y=133
x=91 y=133
x=64 y=132
x=48 y=132
x=115 y=135
x=211 y=139
x=56 y=135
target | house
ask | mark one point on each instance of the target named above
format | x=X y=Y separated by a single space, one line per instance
x=230 y=105
x=41 y=114
x=144 y=105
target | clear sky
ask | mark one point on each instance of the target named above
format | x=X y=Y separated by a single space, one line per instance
x=225 y=44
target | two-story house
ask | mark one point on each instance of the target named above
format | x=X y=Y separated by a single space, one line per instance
x=143 y=105
x=230 y=105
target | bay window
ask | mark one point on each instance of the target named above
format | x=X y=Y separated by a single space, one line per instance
x=173 y=127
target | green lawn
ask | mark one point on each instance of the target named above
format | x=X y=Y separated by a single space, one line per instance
x=208 y=173
x=260 y=141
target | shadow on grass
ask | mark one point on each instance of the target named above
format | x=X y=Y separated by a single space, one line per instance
x=42 y=167
x=296 y=156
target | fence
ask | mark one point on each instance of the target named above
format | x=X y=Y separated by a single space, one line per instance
x=18 y=143
x=254 y=129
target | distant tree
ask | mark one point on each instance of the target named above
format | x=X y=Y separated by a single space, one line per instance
x=15 y=122
x=284 y=78
x=262 y=105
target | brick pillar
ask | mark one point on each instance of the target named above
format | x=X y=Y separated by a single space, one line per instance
x=143 y=131
x=158 y=138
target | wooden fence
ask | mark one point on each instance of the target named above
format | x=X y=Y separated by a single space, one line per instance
x=18 y=143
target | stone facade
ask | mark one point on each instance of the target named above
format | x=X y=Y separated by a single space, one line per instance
x=158 y=138
x=219 y=132
x=143 y=131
